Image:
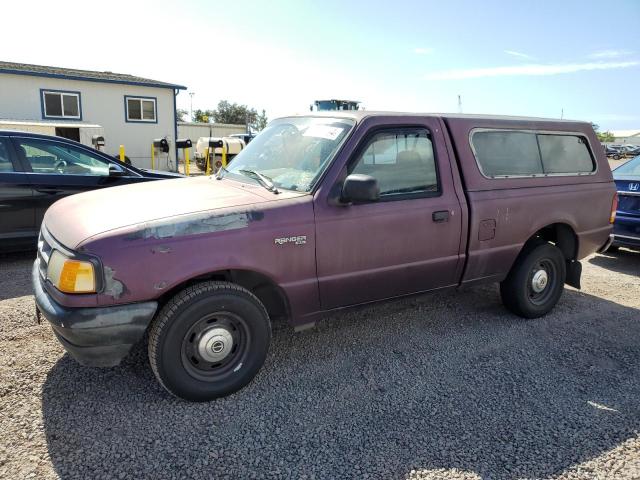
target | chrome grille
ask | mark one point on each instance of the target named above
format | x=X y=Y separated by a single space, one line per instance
x=44 y=252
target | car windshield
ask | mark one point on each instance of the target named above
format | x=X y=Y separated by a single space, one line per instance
x=629 y=169
x=293 y=152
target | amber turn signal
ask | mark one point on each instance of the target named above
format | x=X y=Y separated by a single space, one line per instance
x=71 y=276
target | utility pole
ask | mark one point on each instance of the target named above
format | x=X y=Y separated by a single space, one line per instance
x=459 y=104
x=562 y=113
x=191 y=94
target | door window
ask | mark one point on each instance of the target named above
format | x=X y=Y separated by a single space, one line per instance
x=5 y=160
x=403 y=163
x=59 y=158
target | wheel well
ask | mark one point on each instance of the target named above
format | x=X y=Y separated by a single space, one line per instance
x=268 y=292
x=561 y=235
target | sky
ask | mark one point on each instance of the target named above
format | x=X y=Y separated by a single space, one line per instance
x=579 y=59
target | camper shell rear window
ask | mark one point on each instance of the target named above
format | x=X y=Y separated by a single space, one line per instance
x=530 y=153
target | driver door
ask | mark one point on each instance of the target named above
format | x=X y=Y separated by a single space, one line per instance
x=57 y=169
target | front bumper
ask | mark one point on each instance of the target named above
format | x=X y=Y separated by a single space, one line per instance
x=96 y=337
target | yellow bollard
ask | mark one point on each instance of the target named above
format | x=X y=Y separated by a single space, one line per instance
x=208 y=170
x=153 y=156
x=186 y=161
x=224 y=154
x=122 y=153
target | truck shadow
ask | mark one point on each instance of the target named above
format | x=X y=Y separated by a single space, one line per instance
x=622 y=261
x=437 y=382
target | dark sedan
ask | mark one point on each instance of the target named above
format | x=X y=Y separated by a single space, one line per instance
x=36 y=170
x=613 y=152
x=626 y=228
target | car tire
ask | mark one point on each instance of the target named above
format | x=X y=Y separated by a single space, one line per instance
x=616 y=157
x=613 y=248
x=536 y=281
x=209 y=341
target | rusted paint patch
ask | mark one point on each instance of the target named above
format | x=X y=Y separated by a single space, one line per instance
x=194 y=225
x=112 y=286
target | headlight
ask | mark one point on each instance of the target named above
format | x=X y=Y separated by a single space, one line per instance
x=71 y=276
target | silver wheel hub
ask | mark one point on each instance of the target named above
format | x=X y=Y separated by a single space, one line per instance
x=215 y=344
x=539 y=281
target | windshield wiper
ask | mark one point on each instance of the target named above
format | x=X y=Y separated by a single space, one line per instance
x=262 y=180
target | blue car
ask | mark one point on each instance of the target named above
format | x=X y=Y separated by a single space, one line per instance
x=626 y=229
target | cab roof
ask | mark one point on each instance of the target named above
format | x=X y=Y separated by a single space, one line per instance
x=362 y=114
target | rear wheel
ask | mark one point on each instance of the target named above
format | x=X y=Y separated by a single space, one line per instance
x=209 y=341
x=536 y=281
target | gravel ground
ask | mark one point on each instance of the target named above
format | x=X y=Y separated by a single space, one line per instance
x=447 y=385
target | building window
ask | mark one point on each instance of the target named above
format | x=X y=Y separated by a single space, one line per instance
x=61 y=104
x=140 y=109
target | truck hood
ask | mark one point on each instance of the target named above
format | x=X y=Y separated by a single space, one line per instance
x=76 y=218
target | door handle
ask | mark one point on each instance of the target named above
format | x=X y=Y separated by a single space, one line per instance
x=48 y=190
x=440 y=216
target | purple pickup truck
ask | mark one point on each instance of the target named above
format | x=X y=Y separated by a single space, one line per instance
x=320 y=213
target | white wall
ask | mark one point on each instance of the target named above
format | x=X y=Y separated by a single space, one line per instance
x=196 y=130
x=102 y=104
x=627 y=140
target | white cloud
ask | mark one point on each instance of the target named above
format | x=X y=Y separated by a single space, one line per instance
x=610 y=53
x=423 y=51
x=517 y=54
x=526 y=70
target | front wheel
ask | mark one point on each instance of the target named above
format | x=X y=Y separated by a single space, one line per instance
x=209 y=341
x=536 y=281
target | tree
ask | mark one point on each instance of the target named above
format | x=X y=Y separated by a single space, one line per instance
x=603 y=136
x=234 y=113
x=203 y=116
x=260 y=121
x=606 y=136
x=180 y=114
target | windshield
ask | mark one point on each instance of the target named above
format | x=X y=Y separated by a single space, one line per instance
x=629 y=169
x=292 y=152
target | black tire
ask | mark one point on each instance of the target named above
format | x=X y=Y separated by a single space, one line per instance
x=612 y=249
x=190 y=333
x=519 y=290
x=616 y=157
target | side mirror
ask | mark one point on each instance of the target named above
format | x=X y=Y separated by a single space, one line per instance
x=116 y=170
x=358 y=188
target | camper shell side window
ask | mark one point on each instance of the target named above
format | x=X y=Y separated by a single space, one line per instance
x=502 y=153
